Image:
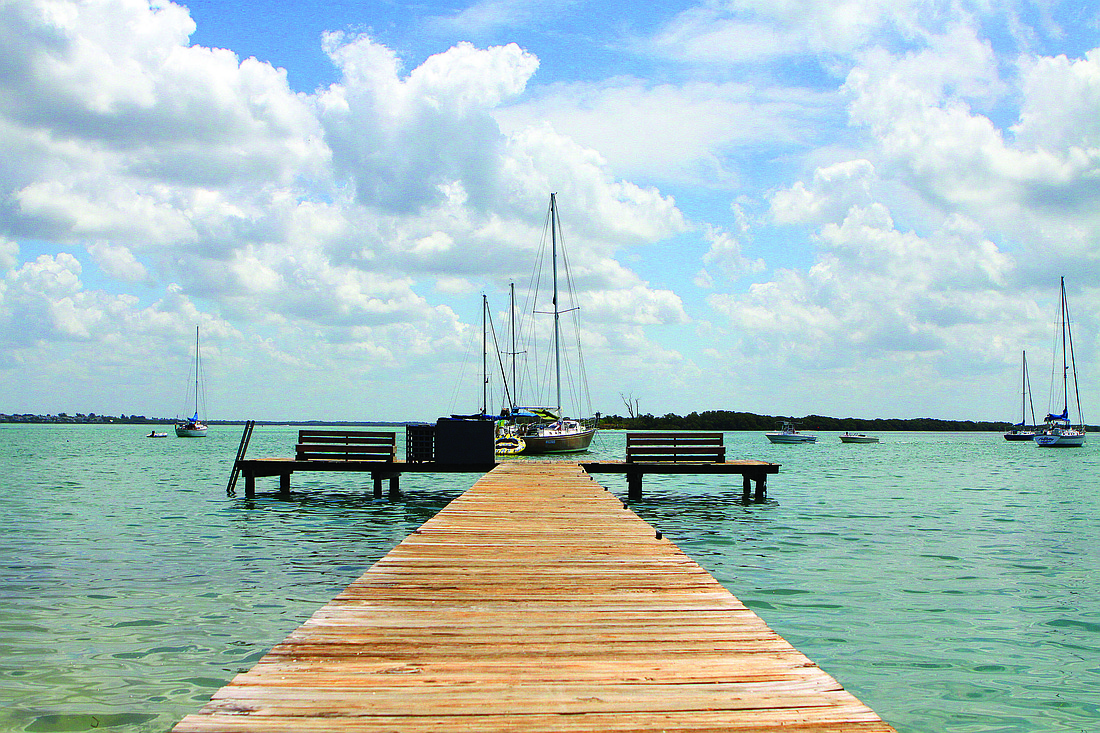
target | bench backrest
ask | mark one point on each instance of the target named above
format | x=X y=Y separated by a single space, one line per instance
x=675 y=448
x=344 y=445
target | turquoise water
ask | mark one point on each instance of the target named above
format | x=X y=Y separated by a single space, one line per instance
x=948 y=580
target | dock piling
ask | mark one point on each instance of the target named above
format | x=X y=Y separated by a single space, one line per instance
x=395 y=483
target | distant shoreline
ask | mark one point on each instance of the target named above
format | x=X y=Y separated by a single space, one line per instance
x=712 y=420
x=93 y=419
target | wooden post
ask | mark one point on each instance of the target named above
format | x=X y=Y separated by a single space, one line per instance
x=284 y=485
x=249 y=484
x=395 y=483
x=634 y=485
x=761 y=487
x=746 y=488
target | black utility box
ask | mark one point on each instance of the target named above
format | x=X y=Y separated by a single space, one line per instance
x=419 y=443
x=464 y=441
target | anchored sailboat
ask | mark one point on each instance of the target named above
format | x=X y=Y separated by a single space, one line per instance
x=1059 y=432
x=1024 y=430
x=192 y=427
x=546 y=429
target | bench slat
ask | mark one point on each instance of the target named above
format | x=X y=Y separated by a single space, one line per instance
x=677 y=449
x=373 y=434
x=344 y=448
x=683 y=441
x=676 y=455
x=367 y=458
x=669 y=436
x=354 y=440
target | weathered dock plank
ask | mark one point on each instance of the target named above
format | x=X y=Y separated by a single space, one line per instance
x=534 y=602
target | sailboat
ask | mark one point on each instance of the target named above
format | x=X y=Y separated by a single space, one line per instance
x=546 y=429
x=1024 y=430
x=1058 y=432
x=192 y=427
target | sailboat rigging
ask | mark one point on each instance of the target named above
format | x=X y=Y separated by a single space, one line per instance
x=192 y=427
x=1059 y=432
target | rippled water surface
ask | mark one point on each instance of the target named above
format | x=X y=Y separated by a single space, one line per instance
x=950 y=581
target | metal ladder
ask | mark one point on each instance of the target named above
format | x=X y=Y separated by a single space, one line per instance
x=231 y=489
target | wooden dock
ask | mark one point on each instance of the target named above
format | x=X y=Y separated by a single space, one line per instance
x=534 y=602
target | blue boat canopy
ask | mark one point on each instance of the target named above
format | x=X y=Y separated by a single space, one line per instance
x=544 y=413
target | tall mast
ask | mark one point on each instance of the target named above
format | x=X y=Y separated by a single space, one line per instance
x=1065 y=367
x=557 y=313
x=512 y=316
x=196 y=372
x=1023 y=390
x=484 y=349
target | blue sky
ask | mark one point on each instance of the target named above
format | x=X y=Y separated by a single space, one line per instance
x=855 y=208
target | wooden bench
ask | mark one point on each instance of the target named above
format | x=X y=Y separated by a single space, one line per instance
x=675 y=448
x=344 y=445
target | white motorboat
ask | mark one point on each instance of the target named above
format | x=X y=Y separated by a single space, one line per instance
x=787 y=433
x=1059 y=432
x=857 y=438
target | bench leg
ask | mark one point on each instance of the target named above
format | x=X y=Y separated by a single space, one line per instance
x=634 y=486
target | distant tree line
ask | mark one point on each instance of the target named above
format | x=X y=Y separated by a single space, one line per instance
x=78 y=418
x=726 y=420
x=92 y=418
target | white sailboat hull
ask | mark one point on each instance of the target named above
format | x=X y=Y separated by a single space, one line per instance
x=558 y=441
x=1060 y=439
x=191 y=431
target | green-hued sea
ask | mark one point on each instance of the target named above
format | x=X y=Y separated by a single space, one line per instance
x=950 y=581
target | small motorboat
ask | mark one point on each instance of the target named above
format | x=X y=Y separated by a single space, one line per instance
x=789 y=434
x=155 y=434
x=857 y=438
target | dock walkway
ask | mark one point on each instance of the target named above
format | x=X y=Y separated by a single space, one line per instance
x=534 y=602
